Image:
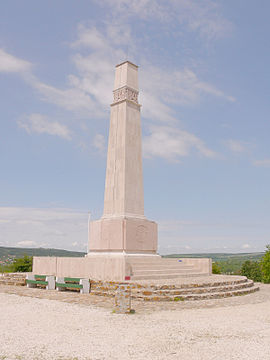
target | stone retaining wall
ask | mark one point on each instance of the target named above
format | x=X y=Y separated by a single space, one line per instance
x=18 y=279
x=225 y=286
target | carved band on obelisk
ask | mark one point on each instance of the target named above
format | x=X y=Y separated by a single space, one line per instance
x=123 y=226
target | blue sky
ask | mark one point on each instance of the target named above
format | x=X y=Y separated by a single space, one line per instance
x=204 y=90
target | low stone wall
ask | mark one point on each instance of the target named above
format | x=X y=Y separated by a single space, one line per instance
x=211 y=287
x=18 y=279
x=96 y=267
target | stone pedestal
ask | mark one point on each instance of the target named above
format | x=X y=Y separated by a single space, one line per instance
x=121 y=234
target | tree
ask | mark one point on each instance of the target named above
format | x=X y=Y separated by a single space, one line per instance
x=252 y=270
x=216 y=268
x=265 y=265
x=23 y=264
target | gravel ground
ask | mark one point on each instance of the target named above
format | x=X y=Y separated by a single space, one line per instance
x=40 y=328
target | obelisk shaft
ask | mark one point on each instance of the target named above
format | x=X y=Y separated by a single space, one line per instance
x=123 y=228
x=124 y=176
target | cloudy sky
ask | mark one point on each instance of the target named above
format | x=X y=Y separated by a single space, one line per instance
x=204 y=90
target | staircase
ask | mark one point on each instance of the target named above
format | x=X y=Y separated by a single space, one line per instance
x=164 y=268
x=201 y=288
x=193 y=291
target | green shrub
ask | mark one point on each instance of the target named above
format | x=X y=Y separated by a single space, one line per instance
x=216 y=269
x=22 y=264
x=265 y=266
x=252 y=270
x=5 y=269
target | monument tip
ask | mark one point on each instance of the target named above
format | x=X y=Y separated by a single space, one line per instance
x=129 y=62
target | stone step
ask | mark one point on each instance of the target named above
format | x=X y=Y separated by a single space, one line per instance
x=166 y=275
x=162 y=266
x=155 y=262
x=199 y=293
x=204 y=296
x=186 y=285
x=197 y=290
x=152 y=271
x=139 y=286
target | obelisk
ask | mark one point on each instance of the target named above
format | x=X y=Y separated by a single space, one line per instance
x=123 y=227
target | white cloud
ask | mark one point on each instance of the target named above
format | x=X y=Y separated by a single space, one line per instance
x=37 y=227
x=89 y=90
x=26 y=243
x=163 y=88
x=214 y=236
x=71 y=99
x=172 y=144
x=37 y=123
x=67 y=229
x=203 y=17
x=99 y=142
x=262 y=163
x=12 y=64
x=236 y=146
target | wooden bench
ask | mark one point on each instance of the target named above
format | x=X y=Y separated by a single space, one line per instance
x=63 y=283
x=33 y=280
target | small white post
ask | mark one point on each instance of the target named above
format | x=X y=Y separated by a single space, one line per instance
x=51 y=282
x=86 y=286
x=31 y=276
x=61 y=281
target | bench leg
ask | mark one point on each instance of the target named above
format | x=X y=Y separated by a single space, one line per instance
x=51 y=283
x=86 y=286
x=62 y=281
x=30 y=277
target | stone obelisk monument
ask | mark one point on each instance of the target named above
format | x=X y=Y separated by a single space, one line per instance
x=123 y=228
x=123 y=243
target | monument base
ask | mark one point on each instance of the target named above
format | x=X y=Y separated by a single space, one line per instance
x=98 y=266
x=123 y=234
x=121 y=267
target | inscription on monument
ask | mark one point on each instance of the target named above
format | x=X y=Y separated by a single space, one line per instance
x=141 y=233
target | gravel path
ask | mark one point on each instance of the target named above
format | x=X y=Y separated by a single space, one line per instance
x=41 y=328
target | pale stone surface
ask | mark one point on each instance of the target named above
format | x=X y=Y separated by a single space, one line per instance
x=123 y=226
x=94 y=267
x=126 y=74
x=124 y=234
x=118 y=266
x=124 y=177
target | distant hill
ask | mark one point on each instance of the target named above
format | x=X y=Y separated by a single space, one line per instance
x=222 y=256
x=20 y=252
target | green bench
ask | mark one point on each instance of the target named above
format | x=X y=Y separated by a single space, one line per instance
x=33 y=280
x=63 y=283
